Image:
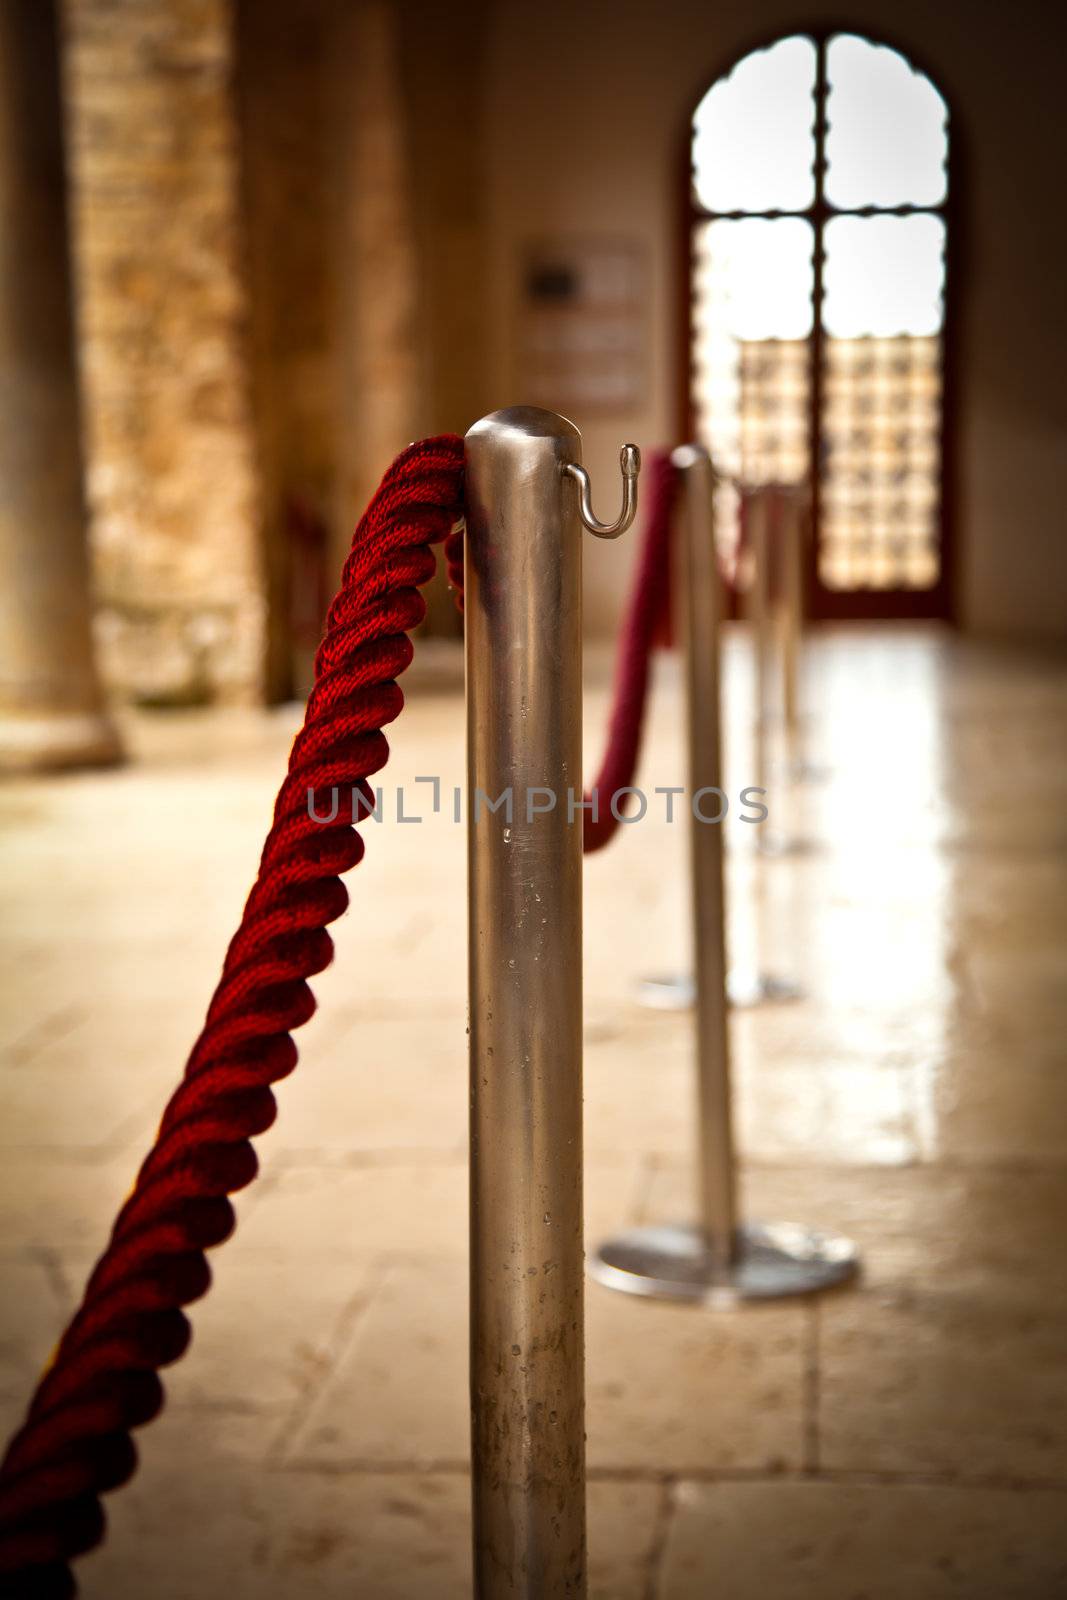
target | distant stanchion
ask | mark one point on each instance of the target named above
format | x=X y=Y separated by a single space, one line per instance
x=757 y=522
x=792 y=501
x=718 y=1259
x=774 y=522
x=749 y=984
x=795 y=499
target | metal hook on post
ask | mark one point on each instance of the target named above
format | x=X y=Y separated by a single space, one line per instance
x=630 y=462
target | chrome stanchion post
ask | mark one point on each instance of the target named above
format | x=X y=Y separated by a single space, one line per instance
x=800 y=768
x=760 y=620
x=792 y=583
x=760 y=986
x=718 y=1261
x=778 y=540
x=524 y=762
x=746 y=987
x=703 y=606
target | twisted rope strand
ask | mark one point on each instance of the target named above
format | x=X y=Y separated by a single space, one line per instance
x=646 y=617
x=75 y=1443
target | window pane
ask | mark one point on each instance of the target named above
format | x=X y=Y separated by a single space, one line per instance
x=751 y=359
x=759 y=275
x=886 y=139
x=883 y=276
x=881 y=421
x=753 y=139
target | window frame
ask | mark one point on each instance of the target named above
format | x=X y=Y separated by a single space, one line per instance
x=822 y=603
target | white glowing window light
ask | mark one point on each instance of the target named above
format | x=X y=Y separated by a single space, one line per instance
x=883 y=276
x=886 y=129
x=759 y=275
x=753 y=133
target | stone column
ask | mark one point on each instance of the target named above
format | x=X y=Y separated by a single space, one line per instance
x=377 y=366
x=51 y=709
x=172 y=477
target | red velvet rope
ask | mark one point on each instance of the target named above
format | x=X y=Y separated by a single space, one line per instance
x=76 y=1443
x=645 y=618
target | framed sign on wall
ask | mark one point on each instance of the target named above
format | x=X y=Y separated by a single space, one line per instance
x=581 y=328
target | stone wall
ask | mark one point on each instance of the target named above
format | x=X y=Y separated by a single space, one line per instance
x=332 y=288
x=161 y=303
x=283 y=55
x=442 y=73
x=277 y=226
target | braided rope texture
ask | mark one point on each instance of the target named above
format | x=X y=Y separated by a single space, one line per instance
x=645 y=622
x=103 y=1382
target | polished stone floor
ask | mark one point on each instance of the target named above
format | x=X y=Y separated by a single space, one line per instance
x=906 y=1437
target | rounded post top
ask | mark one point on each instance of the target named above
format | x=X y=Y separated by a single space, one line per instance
x=524 y=422
x=688 y=455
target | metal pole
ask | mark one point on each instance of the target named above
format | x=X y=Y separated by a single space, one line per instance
x=751 y=986
x=792 y=554
x=774 y=629
x=718 y=1261
x=791 y=620
x=703 y=605
x=759 y=986
x=524 y=743
x=798 y=506
x=759 y=614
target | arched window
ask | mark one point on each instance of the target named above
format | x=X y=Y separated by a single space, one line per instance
x=818 y=232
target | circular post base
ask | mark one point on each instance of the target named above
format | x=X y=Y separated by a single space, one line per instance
x=677 y=991
x=744 y=990
x=57 y=741
x=774 y=1260
x=774 y=846
x=804 y=771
